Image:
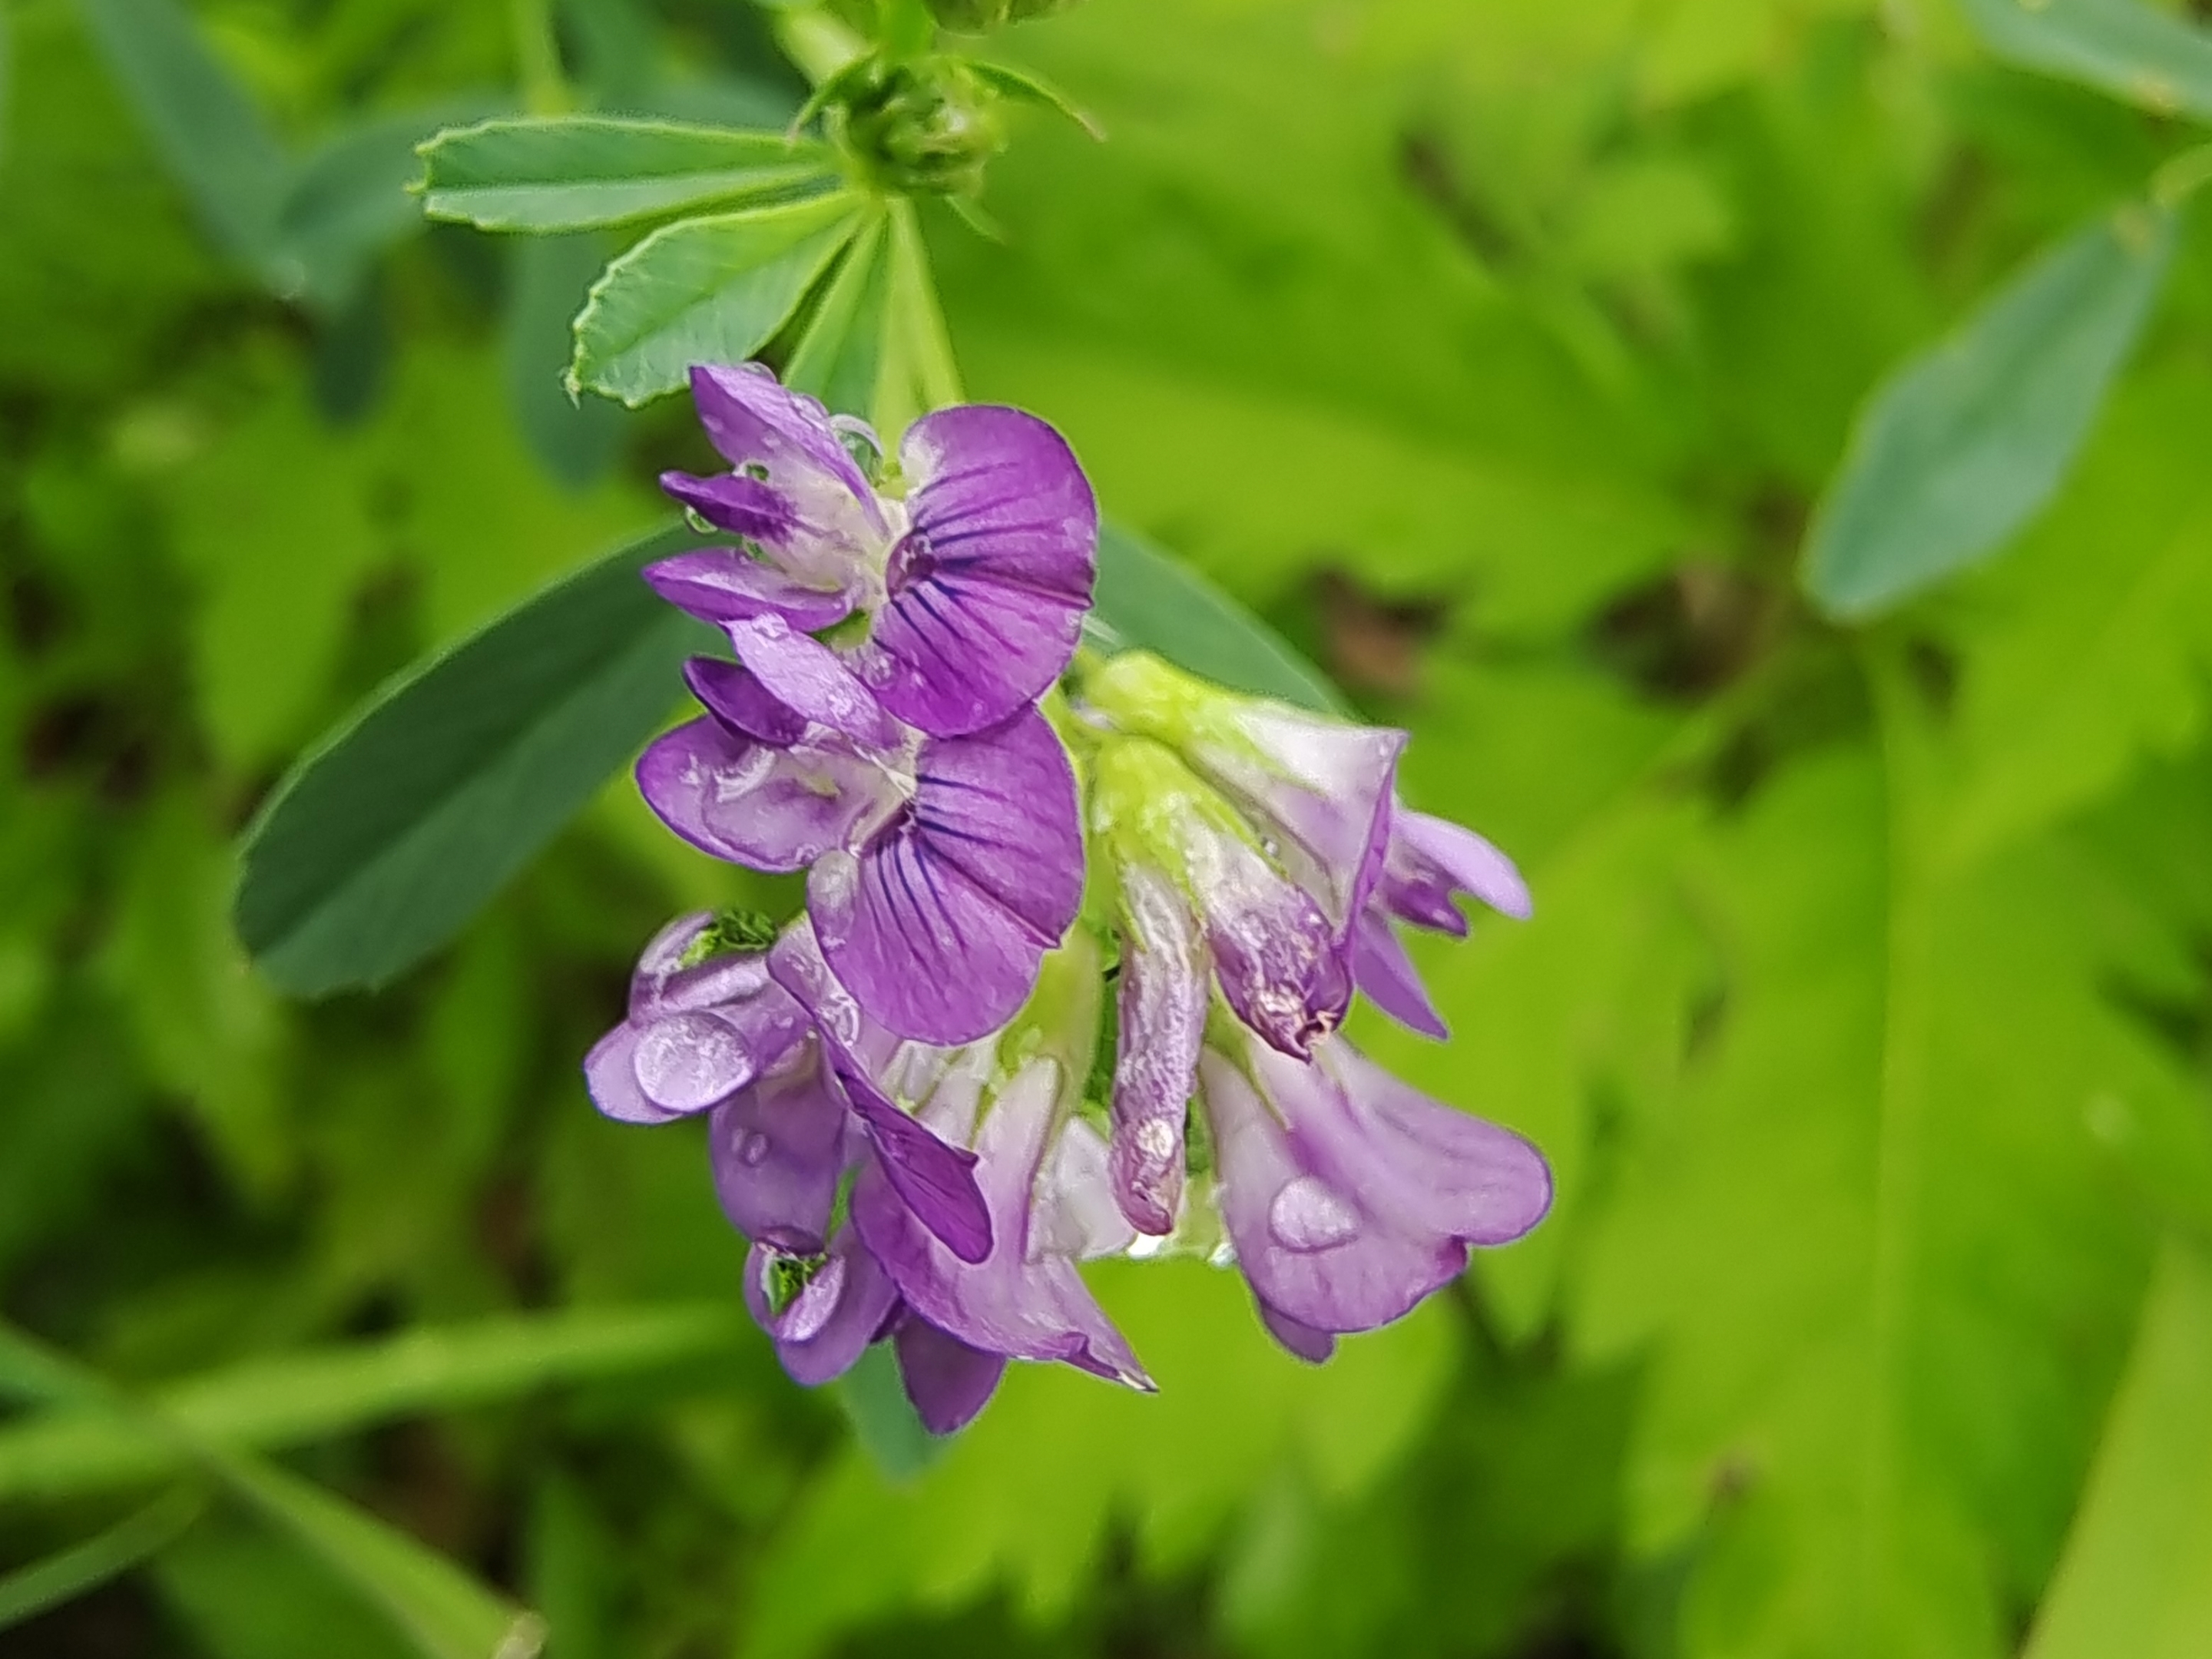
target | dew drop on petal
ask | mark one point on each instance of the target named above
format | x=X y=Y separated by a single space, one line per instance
x=811 y=1309
x=752 y=1149
x=689 y=1061
x=1307 y=1216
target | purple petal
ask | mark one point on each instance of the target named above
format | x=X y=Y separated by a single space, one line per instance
x=1277 y=956
x=988 y=589
x=810 y=679
x=937 y=1183
x=1020 y=1302
x=778 y=1149
x=769 y=809
x=1074 y=1213
x=1312 y=1251
x=750 y=508
x=1432 y=859
x=999 y=807
x=1387 y=974
x=830 y=1323
x=649 y=1071
x=718 y=585
x=734 y=696
x=1312 y=1346
x=947 y=1381
x=662 y=959
x=1163 y=999
x=756 y=422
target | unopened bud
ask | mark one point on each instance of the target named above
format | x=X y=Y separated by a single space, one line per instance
x=929 y=126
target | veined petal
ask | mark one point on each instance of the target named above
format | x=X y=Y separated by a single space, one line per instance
x=767 y=808
x=830 y=1323
x=1387 y=974
x=1431 y=859
x=810 y=680
x=986 y=592
x=720 y=584
x=1161 y=1000
x=947 y=1381
x=778 y=1149
x=1018 y=1304
x=939 y=924
x=750 y=508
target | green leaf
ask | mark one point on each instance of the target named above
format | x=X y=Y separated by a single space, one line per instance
x=205 y=127
x=444 y=1611
x=2137 y=1576
x=1148 y=599
x=297 y=1398
x=348 y=199
x=567 y=173
x=840 y=356
x=709 y=290
x=29 y=1591
x=1964 y=445
x=2151 y=58
x=381 y=845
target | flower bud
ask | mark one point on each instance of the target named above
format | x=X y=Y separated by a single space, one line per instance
x=981 y=16
x=930 y=126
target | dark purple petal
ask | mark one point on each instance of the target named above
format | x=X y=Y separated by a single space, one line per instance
x=1163 y=998
x=750 y=508
x=734 y=696
x=1432 y=858
x=988 y=589
x=810 y=679
x=718 y=585
x=937 y=1183
x=830 y=1322
x=1387 y=974
x=778 y=1149
x=947 y=1381
x=1020 y=1302
x=1280 y=964
x=767 y=808
x=756 y=422
x=1312 y=1346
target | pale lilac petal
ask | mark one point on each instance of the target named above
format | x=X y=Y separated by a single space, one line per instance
x=1311 y=1249
x=1323 y=785
x=940 y=923
x=947 y=1381
x=676 y=1063
x=810 y=679
x=778 y=1149
x=663 y=958
x=1161 y=1000
x=1432 y=859
x=1387 y=974
x=1072 y=1212
x=1019 y=1302
x=1304 y=1341
x=734 y=696
x=769 y=809
x=756 y=422
x=830 y=1324
x=610 y=1075
x=988 y=587
x=720 y=584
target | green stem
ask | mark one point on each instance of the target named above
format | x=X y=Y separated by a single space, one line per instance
x=937 y=376
x=538 y=58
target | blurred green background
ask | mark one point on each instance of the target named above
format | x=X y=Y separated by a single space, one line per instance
x=1496 y=351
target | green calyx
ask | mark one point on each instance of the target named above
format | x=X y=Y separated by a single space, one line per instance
x=732 y=931
x=921 y=126
x=1147 y=807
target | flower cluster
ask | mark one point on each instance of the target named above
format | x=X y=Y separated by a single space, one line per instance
x=910 y=1118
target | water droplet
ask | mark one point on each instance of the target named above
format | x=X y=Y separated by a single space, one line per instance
x=1307 y=1216
x=689 y=1061
x=752 y=1149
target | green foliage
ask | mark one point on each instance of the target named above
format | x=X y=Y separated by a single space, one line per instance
x=1497 y=356
x=1963 y=446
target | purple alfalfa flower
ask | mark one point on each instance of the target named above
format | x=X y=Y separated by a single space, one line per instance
x=939 y=870
x=1347 y=1195
x=953 y=605
x=715 y=1026
x=954 y=1323
x=1428 y=863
